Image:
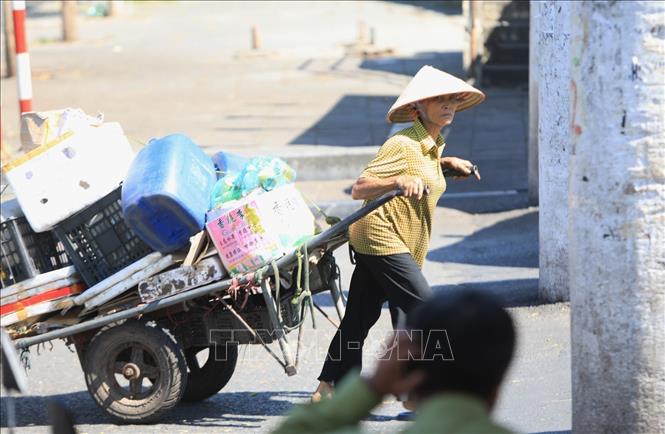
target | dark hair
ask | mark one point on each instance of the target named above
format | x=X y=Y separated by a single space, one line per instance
x=481 y=340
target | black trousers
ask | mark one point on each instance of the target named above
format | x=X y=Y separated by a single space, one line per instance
x=376 y=279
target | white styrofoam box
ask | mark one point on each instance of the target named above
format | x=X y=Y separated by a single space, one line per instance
x=56 y=180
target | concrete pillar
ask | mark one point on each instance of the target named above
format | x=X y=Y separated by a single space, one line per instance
x=532 y=152
x=553 y=46
x=617 y=217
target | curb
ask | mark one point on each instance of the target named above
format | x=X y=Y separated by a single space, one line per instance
x=330 y=166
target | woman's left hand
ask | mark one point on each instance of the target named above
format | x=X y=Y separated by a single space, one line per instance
x=459 y=165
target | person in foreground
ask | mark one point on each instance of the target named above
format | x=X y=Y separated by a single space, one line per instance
x=390 y=244
x=450 y=360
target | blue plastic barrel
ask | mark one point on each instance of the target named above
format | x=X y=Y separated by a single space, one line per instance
x=227 y=162
x=166 y=193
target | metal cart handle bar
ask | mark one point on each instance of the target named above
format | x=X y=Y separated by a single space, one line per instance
x=451 y=173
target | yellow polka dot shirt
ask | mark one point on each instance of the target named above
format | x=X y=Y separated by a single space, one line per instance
x=403 y=225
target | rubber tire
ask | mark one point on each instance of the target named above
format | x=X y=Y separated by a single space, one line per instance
x=212 y=376
x=170 y=361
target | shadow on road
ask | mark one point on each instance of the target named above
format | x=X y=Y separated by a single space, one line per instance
x=356 y=120
x=479 y=204
x=512 y=293
x=359 y=120
x=554 y=432
x=508 y=243
x=235 y=409
x=450 y=7
x=324 y=299
x=225 y=409
x=449 y=61
x=41 y=9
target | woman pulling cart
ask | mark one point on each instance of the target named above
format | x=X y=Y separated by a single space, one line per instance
x=390 y=244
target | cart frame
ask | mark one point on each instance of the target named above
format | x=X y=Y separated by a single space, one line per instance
x=327 y=240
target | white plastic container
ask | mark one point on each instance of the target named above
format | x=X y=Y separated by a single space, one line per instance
x=56 y=180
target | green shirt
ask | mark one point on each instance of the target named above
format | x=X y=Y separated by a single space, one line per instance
x=353 y=400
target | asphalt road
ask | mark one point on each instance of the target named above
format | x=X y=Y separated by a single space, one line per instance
x=535 y=398
x=492 y=251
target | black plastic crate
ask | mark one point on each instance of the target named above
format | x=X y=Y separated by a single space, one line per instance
x=25 y=253
x=98 y=240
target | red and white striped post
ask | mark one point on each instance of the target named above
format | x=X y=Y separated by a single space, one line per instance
x=23 y=79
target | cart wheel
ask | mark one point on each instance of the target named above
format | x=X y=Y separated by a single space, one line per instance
x=135 y=372
x=208 y=374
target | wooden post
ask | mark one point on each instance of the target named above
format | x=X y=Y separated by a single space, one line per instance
x=256 y=38
x=10 y=54
x=361 y=38
x=69 y=24
x=114 y=7
x=475 y=40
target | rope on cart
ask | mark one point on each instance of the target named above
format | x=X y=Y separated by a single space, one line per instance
x=326 y=316
x=330 y=220
x=299 y=345
x=307 y=292
x=303 y=296
x=25 y=358
x=278 y=285
x=176 y=323
x=297 y=300
x=253 y=333
x=235 y=288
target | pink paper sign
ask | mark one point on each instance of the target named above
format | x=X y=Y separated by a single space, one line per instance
x=241 y=240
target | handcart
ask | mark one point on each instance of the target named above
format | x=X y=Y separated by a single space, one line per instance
x=140 y=359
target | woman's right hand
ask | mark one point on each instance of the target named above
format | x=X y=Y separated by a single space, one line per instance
x=412 y=186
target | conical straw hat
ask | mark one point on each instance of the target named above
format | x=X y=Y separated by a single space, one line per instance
x=427 y=83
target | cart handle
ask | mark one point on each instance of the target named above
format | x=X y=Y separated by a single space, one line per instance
x=451 y=173
x=341 y=226
x=344 y=224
